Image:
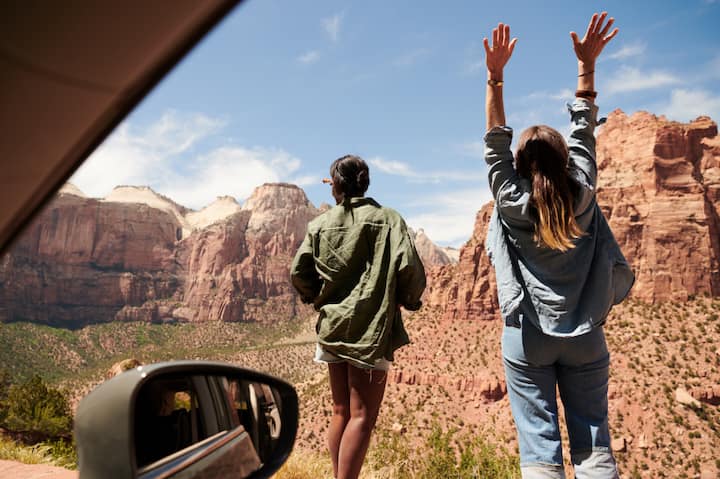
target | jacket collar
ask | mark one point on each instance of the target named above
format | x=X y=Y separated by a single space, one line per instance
x=356 y=201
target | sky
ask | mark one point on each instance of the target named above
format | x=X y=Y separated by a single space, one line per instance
x=282 y=88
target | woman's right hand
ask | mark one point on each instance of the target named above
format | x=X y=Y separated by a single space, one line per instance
x=596 y=37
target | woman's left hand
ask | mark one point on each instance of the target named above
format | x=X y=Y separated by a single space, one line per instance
x=596 y=37
x=497 y=56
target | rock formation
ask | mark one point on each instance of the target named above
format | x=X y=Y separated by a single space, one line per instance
x=84 y=259
x=489 y=388
x=709 y=394
x=234 y=266
x=431 y=254
x=466 y=290
x=137 y=255
x=659 y=186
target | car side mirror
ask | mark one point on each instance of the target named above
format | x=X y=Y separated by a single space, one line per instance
x=189 y=419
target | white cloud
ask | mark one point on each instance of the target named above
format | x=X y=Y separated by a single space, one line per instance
x=411 y=58
x=521 y=119
x=305 y=180
x=175 y=133
x=632 y=79
x=686 y=105
x=473 y=67
x=399 y=168
x=474 y=59
x=627 y=51
x=473 y=149
x=564 y=94
x=234 y=171
x=712 y=71
x=164 y=156
x=332 y=25
x=309 y=58
x=449 y=218
x=127 y=157
x=392 y=167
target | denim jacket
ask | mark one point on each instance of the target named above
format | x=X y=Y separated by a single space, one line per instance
x=358 y=265
x=561 y=293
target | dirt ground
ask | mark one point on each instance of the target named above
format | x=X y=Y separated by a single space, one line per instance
x=17 y=470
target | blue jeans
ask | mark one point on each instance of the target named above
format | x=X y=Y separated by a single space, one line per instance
x=534 y=364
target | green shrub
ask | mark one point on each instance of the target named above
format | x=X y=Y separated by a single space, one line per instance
x=4 y=386
x=63 y=452
x=35 y=412
x=12 y=451
x=466 y=457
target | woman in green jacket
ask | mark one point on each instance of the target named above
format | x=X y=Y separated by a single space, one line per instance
x=357 y=266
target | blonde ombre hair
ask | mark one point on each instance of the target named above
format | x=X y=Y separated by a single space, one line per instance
x=542 y=157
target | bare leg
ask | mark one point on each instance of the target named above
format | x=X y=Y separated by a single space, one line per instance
x=366 y=393
x=338 y=373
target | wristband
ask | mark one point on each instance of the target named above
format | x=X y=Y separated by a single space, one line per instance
x=495 y=82
x=586 y=94
x=586 y=73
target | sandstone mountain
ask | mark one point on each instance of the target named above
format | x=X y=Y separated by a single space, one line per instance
x=137 y=255
x=659 y=186
x=431 y=254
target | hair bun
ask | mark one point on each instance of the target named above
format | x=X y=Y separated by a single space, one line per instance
x=352 y=175
x=363 y=178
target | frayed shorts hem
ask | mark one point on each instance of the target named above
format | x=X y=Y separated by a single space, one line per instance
x=325 y=357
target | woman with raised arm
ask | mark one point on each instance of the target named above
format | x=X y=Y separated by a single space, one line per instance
x=559 y=270
x=357 y=266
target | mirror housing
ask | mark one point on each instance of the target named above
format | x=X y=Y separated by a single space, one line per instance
x=247 y=422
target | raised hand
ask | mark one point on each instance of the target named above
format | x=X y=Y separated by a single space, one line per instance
x=595 y=39
x=497 y=56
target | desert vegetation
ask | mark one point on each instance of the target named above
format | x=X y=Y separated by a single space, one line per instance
x=451 y=454
x=36 y=422
x=437 y=416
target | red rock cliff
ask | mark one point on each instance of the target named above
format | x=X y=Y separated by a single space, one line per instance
x=659 y=186
x=83 y=260
x=236 y=264
x=136 y=256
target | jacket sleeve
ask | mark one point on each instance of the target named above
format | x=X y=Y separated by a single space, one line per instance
x=305 y=278
x=511 y=193
x=410 y=270
x=581 y=146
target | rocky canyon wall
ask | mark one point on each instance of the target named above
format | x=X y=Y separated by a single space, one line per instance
x=136 y=255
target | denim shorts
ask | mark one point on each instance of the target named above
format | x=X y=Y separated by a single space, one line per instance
x=324 y=357
x=536 y=365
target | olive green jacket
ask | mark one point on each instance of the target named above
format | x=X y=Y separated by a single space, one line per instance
x=358 y=265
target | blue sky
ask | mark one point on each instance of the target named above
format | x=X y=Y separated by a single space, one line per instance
x=281 y=88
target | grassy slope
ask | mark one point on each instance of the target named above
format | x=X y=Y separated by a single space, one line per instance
x=75 y=358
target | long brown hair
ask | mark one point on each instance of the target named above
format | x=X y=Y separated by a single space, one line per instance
x=542 y=157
